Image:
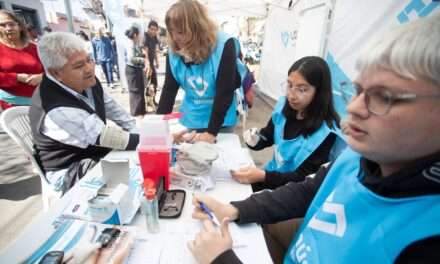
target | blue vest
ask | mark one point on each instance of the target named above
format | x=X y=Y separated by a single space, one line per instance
x=14 y=99
x=289 y=154
x=347 y=223
x=199 y=83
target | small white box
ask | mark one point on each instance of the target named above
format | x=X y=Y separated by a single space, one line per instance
x=110 y=205
x=115 y=172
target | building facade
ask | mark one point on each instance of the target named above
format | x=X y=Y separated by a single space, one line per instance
x=31 y=11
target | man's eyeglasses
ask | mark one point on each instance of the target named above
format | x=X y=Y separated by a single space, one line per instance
x=379 y=100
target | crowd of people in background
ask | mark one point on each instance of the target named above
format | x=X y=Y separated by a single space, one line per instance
x=101 y=46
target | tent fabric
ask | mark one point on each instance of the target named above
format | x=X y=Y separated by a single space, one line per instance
x=278 y=51
x=249 y=8
x=153 y=9
x=290 y=35
x=354 y=24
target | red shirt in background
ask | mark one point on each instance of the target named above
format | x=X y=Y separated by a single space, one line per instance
x=14 y=61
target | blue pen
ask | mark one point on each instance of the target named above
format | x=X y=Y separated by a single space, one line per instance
x=211 y=216
x=262 y=136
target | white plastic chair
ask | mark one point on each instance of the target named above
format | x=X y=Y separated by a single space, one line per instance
x=15 y=122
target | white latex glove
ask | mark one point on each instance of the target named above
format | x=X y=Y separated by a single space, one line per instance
x=251 y=136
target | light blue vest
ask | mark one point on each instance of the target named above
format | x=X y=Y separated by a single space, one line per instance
x=291 y=153
x=199 y=83
x=347 y=223
x=14 y=99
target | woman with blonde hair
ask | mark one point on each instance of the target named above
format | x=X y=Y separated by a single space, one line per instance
x=20 y=67
x=204 y=62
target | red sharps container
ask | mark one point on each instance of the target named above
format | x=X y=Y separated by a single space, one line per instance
x=154 y=149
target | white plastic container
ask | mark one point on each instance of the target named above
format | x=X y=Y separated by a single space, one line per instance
x=154 y=133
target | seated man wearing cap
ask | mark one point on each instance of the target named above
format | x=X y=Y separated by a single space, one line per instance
x=69 y=113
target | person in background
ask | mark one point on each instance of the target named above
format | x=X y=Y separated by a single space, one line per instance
x=115 y=65
x=204 y=62
x=380 y=200
x=151 y=49
x=103 y=51
x=69 y=113
x=20 y=67
x=89 y=47
x=33 y=33
x=304 y=127
x=134 y=73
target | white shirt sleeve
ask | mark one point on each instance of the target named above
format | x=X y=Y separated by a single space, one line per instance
x=117 y=114
x=72 y=126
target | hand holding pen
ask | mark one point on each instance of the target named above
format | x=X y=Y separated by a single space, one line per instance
x=206 y=207
x=214 y=238
x=211 y=216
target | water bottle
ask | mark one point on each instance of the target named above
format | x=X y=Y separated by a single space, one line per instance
x=150 y=207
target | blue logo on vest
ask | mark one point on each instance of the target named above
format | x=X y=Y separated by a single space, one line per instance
x=417 y=8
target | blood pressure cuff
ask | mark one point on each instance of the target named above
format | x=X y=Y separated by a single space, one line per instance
x=116 y=138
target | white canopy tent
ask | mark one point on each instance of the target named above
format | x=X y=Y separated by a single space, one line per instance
x=154 y=9
x=217 y=8
x=336 y=30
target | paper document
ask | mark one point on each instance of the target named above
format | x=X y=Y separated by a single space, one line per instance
x=170 y=245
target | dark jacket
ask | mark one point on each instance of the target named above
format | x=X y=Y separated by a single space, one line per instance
x=293 y=199
x=51 y=154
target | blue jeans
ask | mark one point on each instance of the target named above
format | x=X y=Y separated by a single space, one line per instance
x=107 y=69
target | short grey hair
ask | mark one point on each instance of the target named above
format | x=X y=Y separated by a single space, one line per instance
x=411 y=51
x=55 y=48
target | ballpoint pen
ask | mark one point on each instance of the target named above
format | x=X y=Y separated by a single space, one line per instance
x=211 y=216
x=262 y=136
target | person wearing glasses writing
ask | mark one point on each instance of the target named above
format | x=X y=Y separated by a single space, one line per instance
x=380 y=200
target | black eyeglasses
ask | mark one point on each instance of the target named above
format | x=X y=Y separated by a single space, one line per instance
x=379 y=100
